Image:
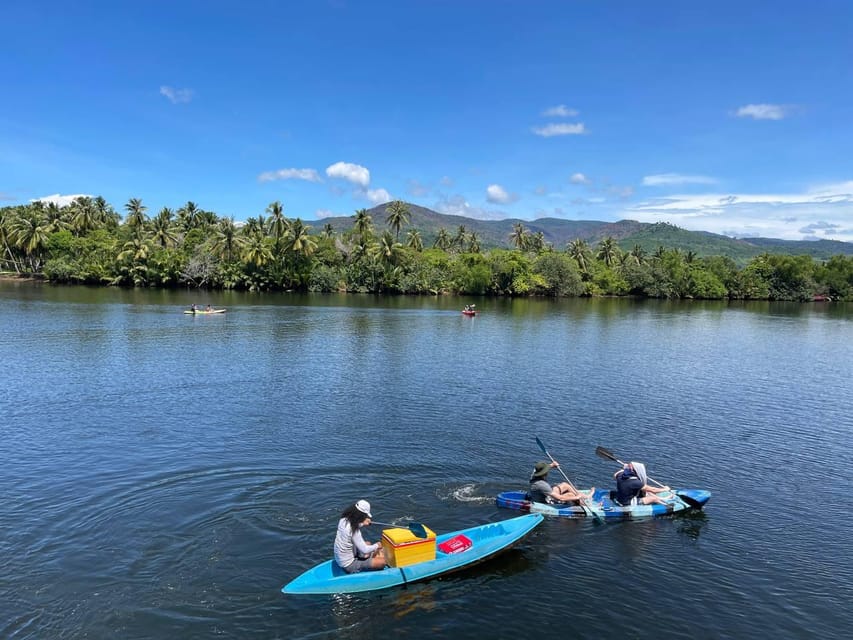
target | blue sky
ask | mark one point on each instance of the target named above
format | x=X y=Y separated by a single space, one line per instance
x=730 y=117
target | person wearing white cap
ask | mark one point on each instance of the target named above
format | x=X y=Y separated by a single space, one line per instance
x=632 y=486
x=352 y=552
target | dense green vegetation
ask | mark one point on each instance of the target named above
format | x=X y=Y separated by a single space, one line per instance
x=88 y=242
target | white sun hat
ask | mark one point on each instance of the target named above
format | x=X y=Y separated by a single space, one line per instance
x=364 y=507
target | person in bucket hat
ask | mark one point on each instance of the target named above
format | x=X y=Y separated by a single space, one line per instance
x=352 y=552
x=541 y=491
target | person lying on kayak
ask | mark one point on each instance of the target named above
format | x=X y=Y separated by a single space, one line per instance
x=632 y=486
x=541 y=491
x=352 y=552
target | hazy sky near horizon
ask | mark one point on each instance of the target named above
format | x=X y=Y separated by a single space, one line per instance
x=729 y=117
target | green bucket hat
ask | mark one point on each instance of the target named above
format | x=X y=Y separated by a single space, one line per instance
x=541 y=469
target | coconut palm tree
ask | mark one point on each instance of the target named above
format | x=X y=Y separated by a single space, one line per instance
x=136 y=217
x=414 y=240
x=278 y=223
x=461 y=237
x=256 y=251
x=442 y=240
x=608 y=251
x=298 y=240
x=637 y=254
x=29 y=232
x=398 y=216
x=473 y=243
x=363 y=225
x=328 y=231
x=579 y=251
x=226 y=240
x=163 y=230
x=84 y=215
x=518 y=235
x=188 y=216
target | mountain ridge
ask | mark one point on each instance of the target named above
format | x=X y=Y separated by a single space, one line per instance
x=627 y=233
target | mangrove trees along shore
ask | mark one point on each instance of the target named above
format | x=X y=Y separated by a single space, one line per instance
x=88 y=242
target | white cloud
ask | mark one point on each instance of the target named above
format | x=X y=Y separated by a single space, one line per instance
x=457 y=205
x=496 y=194
x=177 y=96
x=417 y=189
x=61 y=201
x=579 y=178
x=355 y=173
x=821 y=212
x=378 y=196
x=309 y=175
x=762 y=111
x=446 y=181
x=324 y=213
x=669 y=179
x=559 y=129
x=560 y=111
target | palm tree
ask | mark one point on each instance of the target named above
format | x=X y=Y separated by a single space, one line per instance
x=442 y=240
x=106 y=215
x=161 y=227
x=29 y=232
x=298 y=240
x=608 y=251
x=388 y=250
x=580 y=253
x=57 y=219
x=278 y=223
x=188 y=215
x=414 y=240
x=473 y=243
x=638 y=254
x=363 y=224
x=136 y=217
x=398 y=215
x=256 y=251
x=537 y=242
x=328 y=231
x=518 y=235
x=226 y=241
x=461 y=237
x=84 y=215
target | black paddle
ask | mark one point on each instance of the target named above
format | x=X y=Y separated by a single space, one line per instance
x=415 y=527
x=601 y=452
x=583 y=504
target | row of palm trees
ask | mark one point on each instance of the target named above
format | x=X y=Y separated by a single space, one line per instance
x=89 y=242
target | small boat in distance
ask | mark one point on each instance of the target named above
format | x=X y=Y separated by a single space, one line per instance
x=469 y=310
x=203 y=312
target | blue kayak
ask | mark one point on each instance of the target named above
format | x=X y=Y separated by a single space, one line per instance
x=487 y=541
x=677 y=501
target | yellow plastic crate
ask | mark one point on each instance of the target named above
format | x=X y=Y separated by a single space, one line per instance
x=402 y=547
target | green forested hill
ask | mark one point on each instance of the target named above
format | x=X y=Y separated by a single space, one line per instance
x=627 y=233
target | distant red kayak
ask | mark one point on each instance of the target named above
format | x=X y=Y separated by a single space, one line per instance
x=469 y=313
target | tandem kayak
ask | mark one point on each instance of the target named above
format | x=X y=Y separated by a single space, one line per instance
x=202 y=312
x=603 y=506
x=469 y=313
x=486 y=541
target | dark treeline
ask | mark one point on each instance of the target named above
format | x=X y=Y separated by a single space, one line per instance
x=88 y=242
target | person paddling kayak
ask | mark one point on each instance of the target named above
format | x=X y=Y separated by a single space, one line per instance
x=541 y=491
x=352 y=552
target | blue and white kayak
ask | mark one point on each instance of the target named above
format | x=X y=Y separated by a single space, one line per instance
x=487 y=541
x=676 y=502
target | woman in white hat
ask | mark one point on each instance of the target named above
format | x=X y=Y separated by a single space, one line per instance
x=632 y=486
x=352 y=552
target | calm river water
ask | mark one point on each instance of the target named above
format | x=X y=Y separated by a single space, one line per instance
x=164 y=475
